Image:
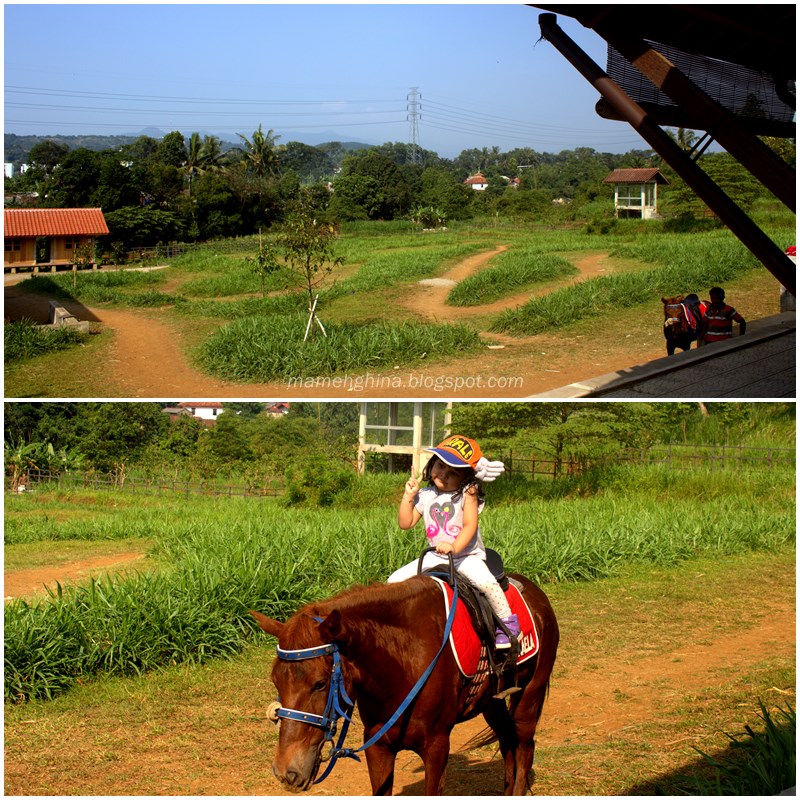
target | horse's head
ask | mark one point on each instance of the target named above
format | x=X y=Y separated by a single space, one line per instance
x=302 y=684
x=673 y=312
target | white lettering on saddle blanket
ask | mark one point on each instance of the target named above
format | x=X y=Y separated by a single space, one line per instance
x=527 y=643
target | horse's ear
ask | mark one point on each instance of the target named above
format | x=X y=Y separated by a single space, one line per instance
x=271 y=626
x=664 y=300
x=330 y=628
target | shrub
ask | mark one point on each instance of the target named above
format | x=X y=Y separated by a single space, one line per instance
x=317 y=482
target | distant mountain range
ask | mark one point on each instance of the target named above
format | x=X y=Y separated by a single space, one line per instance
x=16 y=147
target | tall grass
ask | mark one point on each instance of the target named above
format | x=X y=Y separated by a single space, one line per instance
x=103 y=286
x=383 y=269
x=760 y=763
x=219 y=558
x=687 y=263
x=245 y=307
x=27 y=339
x=510 y=272
x=268 y=348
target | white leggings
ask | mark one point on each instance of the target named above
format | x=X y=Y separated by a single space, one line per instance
x=473 y=568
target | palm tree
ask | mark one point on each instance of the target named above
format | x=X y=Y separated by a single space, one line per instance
x=201 y=156
x=260 y=155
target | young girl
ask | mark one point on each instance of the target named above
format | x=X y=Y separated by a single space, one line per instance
x=450 y=505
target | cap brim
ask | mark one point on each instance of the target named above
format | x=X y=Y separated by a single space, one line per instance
x=449 y=458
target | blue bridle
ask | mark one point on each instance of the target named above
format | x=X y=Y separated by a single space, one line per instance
x=340 y=706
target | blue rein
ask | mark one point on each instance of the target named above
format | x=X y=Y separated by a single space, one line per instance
x=340 y=706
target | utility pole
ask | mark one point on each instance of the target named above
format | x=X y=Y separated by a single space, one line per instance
x=414 y=108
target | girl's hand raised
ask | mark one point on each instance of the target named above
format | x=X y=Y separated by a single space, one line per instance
x=412 y=486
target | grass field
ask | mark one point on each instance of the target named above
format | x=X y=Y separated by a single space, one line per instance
x=217 y=558
x=214 y=288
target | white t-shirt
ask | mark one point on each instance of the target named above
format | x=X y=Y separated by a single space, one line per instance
x=444 y=519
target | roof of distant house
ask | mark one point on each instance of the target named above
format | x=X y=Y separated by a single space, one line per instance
x=476 y=178
x=636 y=176
x=23 y=222
x=200 y=405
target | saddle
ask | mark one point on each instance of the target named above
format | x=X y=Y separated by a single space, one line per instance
x=502 y=663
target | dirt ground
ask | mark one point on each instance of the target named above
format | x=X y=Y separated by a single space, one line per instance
x=148 y=354
x=188 y=747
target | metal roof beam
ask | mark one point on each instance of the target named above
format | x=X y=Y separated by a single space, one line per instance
x=766 y=165
x=762 y=247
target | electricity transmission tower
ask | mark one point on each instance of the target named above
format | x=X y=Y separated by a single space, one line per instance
x=414 y=108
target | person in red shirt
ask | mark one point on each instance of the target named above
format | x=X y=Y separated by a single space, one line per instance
x=718 y=319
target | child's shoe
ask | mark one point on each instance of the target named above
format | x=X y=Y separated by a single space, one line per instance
x=501 y=641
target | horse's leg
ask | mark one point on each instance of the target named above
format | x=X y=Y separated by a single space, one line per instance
x=526 y=718
x=380 y=762
x=434 y=757
x=499 y=720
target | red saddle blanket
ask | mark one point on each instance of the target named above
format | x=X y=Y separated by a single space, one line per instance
x=466 y=645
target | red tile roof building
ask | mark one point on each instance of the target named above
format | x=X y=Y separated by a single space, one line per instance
x=37 y=237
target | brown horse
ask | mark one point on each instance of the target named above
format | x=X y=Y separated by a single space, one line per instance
x=385 y=636
x=681 y=321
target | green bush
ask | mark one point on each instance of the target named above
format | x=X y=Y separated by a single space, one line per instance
x=317 y=482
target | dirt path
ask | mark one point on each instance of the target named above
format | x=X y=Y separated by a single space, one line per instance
x=214 y=740
x=148 y=356
x=31 y=583
x=428 y=299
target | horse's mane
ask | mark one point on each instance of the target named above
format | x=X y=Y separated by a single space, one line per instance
x=387 y=600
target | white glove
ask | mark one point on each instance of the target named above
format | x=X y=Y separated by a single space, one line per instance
x=487 y=471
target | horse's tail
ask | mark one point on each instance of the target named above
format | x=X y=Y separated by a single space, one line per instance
x=486 y=736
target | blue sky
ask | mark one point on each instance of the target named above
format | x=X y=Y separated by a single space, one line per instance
x=309 y=72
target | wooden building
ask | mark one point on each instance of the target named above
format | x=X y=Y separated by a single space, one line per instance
x=636 y=192
x=38 y=238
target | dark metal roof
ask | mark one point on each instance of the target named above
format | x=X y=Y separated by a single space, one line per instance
x=631 y=175
x=761 y=37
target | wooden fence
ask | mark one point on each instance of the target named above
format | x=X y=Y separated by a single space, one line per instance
x=679 y=457
x=149 y=486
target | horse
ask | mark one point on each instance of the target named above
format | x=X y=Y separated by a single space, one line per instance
x=383 y=636
x=681 y=322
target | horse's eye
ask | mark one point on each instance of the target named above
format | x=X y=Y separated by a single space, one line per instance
x=319 y=686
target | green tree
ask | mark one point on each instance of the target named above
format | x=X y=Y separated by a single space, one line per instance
x=136 y=226
x=216 y=208
x=260 y=154
x=172 y=150
x=45 y=156
x=356 y=197
x=389 y=195
x=265 y=262
x=115 y=434
x=309 y=163
x=201 y=156
x=438 y=188
x=75 y=180
x=115 y=187
x=307 y=246
x=227 y=441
